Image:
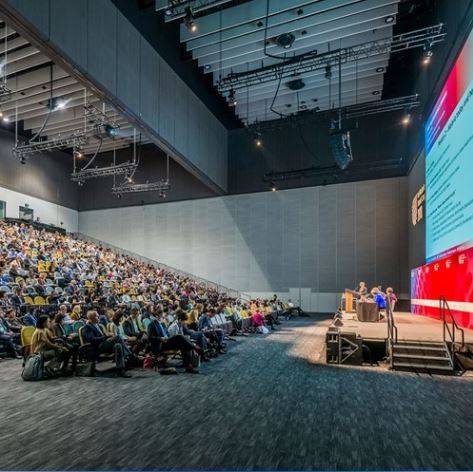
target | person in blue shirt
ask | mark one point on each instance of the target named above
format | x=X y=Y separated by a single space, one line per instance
x=379 y=298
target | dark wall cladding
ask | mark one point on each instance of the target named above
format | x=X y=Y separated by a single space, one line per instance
x=97 y=193
x=45 y=175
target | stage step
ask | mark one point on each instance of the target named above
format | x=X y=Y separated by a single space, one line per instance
x=425 y=356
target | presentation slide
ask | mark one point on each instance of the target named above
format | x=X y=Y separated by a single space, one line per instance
x=449 y=162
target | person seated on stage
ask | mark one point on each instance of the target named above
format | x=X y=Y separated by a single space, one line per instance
x=378 y=298
x=44 y=343
x=213 y=334
x=160 y=342
x=102 y=343
x=362 y=290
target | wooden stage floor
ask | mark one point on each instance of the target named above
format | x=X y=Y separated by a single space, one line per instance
x=409 y=327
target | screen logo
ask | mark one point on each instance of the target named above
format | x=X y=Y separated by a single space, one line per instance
x=417 y=209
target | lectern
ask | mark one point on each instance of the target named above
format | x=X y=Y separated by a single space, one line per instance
x=349 y=299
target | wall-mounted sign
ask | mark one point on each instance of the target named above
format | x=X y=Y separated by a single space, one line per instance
x=418 y=206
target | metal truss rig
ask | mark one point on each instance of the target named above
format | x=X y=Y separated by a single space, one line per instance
x=407 y=103
x=97 y=117
x=75 y=140
x=175 y=9
x=312 y=61
x=126 y=168
x=159 y=186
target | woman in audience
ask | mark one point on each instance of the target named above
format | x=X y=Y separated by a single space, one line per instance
x=43 y=342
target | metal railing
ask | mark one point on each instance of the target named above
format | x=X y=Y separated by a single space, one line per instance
x=452 y=330
x=392 y=329
x=208 y=283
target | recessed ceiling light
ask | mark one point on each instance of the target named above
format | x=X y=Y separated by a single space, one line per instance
x=380 y=69
x=315 y=100
x=389 y=19
x=207 y=67
x=259 y=24
x=376 y=92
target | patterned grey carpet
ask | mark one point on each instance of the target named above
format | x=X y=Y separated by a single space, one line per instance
x=264 y=405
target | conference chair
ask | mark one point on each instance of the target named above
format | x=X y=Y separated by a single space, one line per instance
x=26 y=337
x=39 y=300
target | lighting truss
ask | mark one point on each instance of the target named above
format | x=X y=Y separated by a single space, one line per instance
x=175 y=9
x=98 y=118
x=329 y=170
x=312 y=61
x=126 y=168
x=159 y=186
x=407 y=103
x=75 y=140
x=5 y=92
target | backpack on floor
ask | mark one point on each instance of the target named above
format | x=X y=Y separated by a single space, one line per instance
x=34 y=368
x=195 y=359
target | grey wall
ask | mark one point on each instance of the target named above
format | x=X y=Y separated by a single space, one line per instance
x=107 y=50
x=96 y=193
x=318 y=239
x=45 y=176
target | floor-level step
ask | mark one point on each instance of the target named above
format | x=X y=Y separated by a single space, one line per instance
x=425 y=356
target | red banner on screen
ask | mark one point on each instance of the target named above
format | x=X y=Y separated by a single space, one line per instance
x=451 y=277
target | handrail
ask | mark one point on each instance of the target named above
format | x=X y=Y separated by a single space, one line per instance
x=444 y=308
x=392 y=329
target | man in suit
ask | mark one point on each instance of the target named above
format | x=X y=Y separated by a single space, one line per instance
x=136 y=336
x=101 y=343
x=161 y=342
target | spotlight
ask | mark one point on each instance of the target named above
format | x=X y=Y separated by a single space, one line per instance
x=232 y=99
x=328 y=71
x=129 y=179
x=272 y=187
x=1 y=114
x=5 y=119
x=162 y=194
x=189 y=21
x=389 y=19
x=56 y=103
x=80 y=183
x=407 y=119
x=78 y=154
x=257 y=139
x=427 y=56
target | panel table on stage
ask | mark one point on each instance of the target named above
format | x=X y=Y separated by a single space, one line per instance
x=367 y=311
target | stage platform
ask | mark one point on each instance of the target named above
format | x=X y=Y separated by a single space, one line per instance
x=409 y=326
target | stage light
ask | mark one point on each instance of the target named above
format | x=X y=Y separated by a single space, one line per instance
x=272 y=187
x=389 y=19
x=232 y=101
x=189 y=21
x=1 y=114
x=407 y=119
x=257 y=139
x=129 y=179
x=78 y=154
x=6 y=119
x=56 y=103
x=427 y=56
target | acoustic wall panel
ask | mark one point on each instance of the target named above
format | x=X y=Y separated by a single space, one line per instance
x=167 y=89
x=72 y=41
x=181 y=99
x=323 y=239
x=149 y=84
x=37 y=12
x=102 y=43
x=128 y=63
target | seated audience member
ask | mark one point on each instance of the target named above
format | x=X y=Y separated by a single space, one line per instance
x=29 y=319
x=43 y=343
x=214 y=334
x=103 y=344
x=196 y=336
x=161 y=342
x=76 y=313
x=13 y=323
x=7 y=338
x=70 y=341
x=258 y=322
x=136 y=336
x=292 y=308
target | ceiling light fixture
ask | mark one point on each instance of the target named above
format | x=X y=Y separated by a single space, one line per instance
x=389 y=19
x=232 y=101
x=427 y=55
x=380 y=69
x=189 y=21
x=407 y=119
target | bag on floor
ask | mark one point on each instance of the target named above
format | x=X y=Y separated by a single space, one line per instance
x=148 y=362
x=195 y=359
x=34 y=368
x=263 y=330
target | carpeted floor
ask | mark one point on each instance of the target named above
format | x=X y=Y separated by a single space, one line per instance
x=264 y=405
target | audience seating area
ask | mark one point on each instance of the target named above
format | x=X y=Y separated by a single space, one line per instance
x=72 y=304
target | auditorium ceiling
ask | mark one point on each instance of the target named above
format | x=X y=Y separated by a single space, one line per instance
x=31 y=83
